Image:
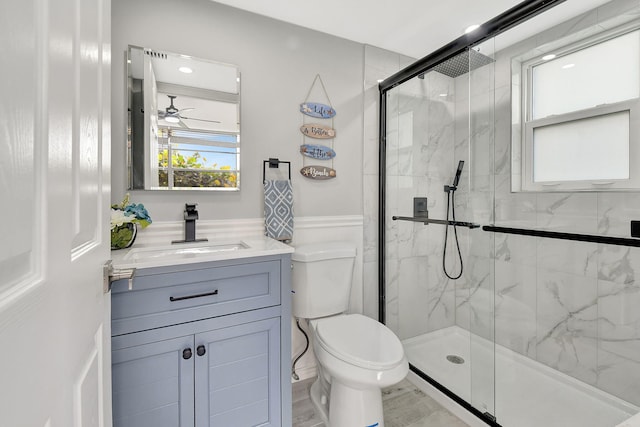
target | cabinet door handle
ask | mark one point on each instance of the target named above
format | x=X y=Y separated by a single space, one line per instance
x=186 y=354
x=201 y=350
x=208 y=294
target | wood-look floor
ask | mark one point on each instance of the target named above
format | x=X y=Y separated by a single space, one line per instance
x=404 y=406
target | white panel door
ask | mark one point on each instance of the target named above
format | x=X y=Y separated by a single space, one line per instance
x=54 y=185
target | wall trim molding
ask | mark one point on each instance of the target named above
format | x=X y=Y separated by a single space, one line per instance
x=328 y=221
x=246 y=227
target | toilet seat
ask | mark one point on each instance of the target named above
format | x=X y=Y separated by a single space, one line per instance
x=360 y=341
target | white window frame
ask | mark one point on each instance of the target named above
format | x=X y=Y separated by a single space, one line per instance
x=631 y=106
x=212 y=145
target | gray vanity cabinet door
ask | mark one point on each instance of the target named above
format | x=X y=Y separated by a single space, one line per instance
x=237 y=375
x=153 y=384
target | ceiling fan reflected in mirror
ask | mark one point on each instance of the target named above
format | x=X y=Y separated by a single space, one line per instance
x=172 y=114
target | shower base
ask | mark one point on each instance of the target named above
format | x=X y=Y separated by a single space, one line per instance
x=527 y=393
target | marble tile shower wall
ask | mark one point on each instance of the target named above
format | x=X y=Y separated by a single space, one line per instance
x=474 y=143
x=573 y=306
x=420 y=162
x=378 y=65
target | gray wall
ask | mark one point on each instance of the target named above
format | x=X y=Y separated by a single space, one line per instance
x=278 y=62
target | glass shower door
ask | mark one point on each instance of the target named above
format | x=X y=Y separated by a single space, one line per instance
x=480 y=277
x=445 y=324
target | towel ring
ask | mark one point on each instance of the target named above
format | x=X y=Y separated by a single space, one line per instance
x=273 y=163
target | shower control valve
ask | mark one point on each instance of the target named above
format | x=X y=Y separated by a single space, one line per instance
x=420 y=207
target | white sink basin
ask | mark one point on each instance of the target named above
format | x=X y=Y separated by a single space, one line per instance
x=183 y=252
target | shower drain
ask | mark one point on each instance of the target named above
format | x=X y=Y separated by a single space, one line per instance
x=455 y=359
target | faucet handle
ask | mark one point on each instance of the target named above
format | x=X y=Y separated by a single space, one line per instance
x=190 y=211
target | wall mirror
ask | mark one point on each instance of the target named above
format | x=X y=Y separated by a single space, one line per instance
x=183 y=122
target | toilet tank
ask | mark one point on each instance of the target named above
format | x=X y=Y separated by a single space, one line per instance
x=321 y=279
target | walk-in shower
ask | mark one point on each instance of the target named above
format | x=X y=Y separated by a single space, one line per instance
x=542 y=325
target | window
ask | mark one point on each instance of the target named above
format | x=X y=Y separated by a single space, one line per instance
x=581 y=114
x=192 y=159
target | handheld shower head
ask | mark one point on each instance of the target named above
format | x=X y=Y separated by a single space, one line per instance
x=456 y=179
x=458 y=173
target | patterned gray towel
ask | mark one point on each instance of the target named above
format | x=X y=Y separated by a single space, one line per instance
x=278 y=209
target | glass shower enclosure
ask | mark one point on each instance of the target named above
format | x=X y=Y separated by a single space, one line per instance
x=428 y=133
x=526 y=312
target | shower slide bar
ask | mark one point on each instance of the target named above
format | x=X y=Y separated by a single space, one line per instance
x=607 y=240
x=426 y=221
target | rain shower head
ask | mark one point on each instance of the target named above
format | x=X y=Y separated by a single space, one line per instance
x=462 y=63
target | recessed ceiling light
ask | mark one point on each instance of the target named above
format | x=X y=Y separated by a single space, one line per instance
x=172 y=119
x=471 y=28
x=548 y=57
x=185 y=70
x=444 y=94
x=128 y=61
x=568 y=66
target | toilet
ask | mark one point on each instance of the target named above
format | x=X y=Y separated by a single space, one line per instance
x=356 y=355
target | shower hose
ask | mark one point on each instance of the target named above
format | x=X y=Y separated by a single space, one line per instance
x=451 y=202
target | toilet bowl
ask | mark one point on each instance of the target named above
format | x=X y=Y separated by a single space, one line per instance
x=357 y=356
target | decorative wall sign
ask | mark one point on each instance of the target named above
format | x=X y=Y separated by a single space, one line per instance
x=317 y=110
x=318 y=172
x=317 y=131
x=319 y=152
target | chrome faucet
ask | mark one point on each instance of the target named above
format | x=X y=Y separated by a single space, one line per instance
x=190 y=217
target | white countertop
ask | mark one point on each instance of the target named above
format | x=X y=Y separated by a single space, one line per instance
x=148 y=255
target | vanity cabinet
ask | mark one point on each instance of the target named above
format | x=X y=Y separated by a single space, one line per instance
x=206 y=344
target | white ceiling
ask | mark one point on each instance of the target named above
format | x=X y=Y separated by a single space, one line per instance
x=411 y=27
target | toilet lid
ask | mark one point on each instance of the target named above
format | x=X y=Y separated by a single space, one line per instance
x=360 y=340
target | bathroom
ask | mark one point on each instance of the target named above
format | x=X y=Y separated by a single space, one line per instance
x=45 y=309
